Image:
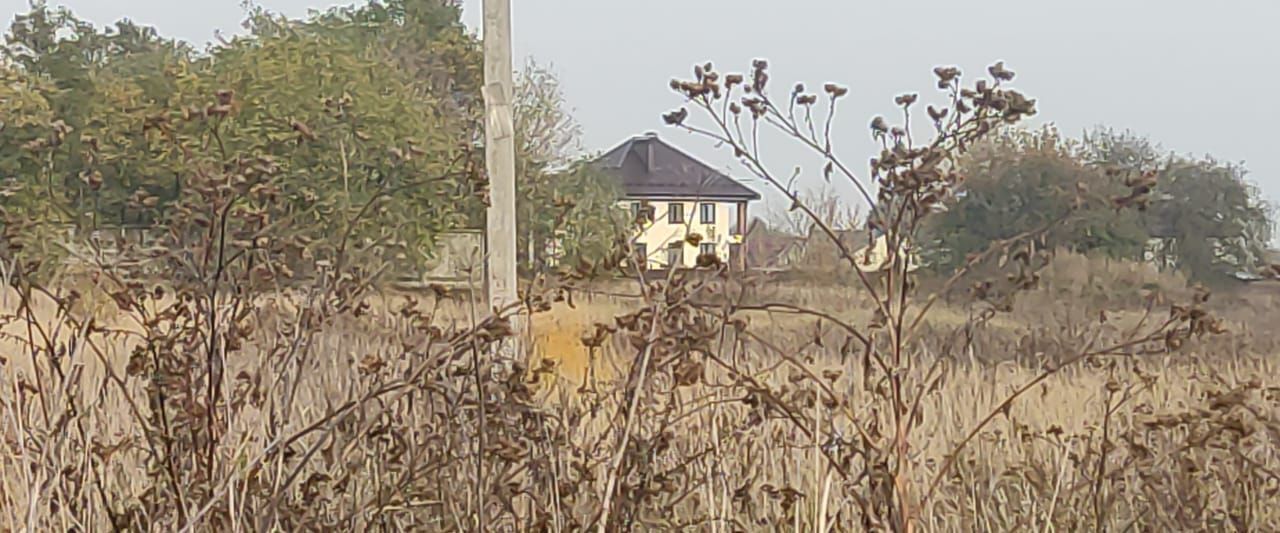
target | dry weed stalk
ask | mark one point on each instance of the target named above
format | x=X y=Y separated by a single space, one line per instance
x=255 y=383
x=224 y=411
x=912 y=181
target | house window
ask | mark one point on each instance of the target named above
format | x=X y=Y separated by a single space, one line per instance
x=708 y=213
x=675 y=253
x=707 y=248
x=675 y=213
x=642 y=212
x=642 y=255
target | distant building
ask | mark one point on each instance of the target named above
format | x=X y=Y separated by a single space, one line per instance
x=769 y=249
x=675 y=196
x=869 y=249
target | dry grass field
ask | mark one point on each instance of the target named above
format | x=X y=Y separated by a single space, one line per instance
x=1181 y=441
x=205 y=255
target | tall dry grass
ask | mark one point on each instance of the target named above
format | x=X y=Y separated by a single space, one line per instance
x=255 y=380
x=1178 y=442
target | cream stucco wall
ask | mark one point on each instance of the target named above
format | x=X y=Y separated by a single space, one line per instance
x=656 y=236
x=875 y=256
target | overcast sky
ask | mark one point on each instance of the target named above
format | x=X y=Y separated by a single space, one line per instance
x=1198 y=77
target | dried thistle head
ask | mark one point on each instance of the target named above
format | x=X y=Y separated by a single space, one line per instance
x=304 y=132
x=879 y=126
x=999 y=72
x=946 y=76
x=677 y=117
x=836 y=91
x=937 y=114
x=759 y=75
x=709 y=261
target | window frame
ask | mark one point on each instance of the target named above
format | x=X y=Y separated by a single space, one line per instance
x=675 y=213
x=675 y=253
x=707 y=212
x=645 y=209
x=704 y=247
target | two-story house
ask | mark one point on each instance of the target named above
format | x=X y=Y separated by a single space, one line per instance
x=675 y=195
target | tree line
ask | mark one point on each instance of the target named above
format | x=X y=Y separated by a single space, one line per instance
x=370 y=117
x=1203 y=216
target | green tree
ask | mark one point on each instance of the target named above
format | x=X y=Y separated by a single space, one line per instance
x=354 y=140
x=1021 y=181
x=394 y=86
x=424 y=39
x=386 y=140
x=89 y=80
x=25 y=119
x=1206 y=218
x=1203 y=217
x=562 y=203
x=558 y=198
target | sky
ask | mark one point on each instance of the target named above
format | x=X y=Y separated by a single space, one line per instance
x=1197 y=77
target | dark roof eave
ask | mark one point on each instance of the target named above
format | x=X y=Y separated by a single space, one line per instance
x=693 y=198
x=724 y=187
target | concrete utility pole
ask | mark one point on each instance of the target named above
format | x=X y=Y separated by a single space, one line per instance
x=500 y=164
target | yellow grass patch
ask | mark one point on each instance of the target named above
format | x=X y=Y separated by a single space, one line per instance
x=557 y=337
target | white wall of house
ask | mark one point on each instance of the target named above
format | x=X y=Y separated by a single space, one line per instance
x=658 y=237
x=874 y=257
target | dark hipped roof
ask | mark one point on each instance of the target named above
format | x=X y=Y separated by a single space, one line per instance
x=651 y=168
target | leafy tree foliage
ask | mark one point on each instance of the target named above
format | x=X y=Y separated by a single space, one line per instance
x=364 y=109
x=561 y=204
x=353 y=140
x=1021 y=181
x=78 y=81
x=1207 y=219
x=424 y=39
x=566 y=208
x=387 y=138
x=1203 y=217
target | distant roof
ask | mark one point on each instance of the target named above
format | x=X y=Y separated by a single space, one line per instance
x=767 y=247
x=650 y=167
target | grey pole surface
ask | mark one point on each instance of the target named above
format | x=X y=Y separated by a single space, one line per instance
x=499 y=132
